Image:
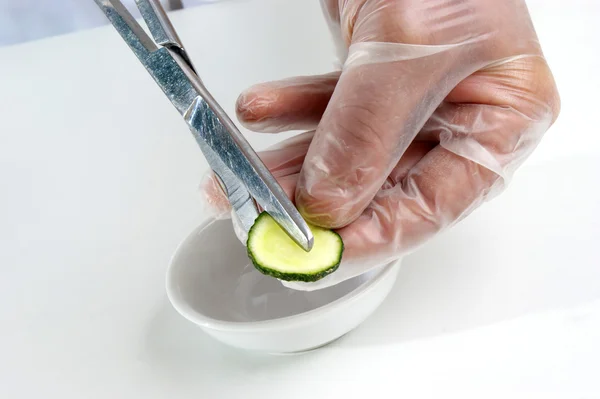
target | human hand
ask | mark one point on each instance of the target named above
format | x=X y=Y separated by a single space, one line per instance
x=437 y=104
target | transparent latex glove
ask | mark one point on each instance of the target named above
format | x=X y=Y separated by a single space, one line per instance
x=436 y=105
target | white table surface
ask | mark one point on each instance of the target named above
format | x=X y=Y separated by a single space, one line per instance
x=99 y=182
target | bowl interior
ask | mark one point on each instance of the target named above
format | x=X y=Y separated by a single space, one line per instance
x=212 y=276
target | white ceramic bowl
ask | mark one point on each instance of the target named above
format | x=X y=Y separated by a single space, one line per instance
x=212 y=283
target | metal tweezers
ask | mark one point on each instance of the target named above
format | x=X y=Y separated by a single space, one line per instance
x=240 y=172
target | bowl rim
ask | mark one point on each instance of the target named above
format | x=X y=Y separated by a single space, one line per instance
x=287 y=322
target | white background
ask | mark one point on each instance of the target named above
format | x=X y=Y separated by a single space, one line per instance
x=25 y=20
x=99 y=184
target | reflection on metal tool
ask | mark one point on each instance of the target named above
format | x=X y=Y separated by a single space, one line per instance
x=241 y=173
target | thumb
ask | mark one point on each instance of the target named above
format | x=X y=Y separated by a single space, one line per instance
x=384 y=96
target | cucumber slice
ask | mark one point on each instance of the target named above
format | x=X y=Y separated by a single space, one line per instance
x=275 y=254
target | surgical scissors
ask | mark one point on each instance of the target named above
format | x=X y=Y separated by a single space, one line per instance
x=243 y=177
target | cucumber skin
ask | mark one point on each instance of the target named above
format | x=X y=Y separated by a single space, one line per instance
x=307 y=278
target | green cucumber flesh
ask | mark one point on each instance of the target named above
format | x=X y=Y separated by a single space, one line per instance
x=275 y=254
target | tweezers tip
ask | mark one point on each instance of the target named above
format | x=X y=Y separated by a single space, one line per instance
x=310 y=243
x=308 y=240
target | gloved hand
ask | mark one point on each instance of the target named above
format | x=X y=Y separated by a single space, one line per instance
x=437 y=103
